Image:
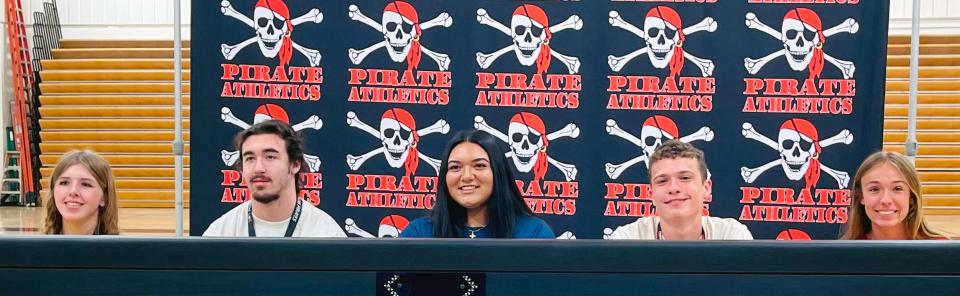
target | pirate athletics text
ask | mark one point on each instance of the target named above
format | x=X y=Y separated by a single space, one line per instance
x=637 y=200
x=809 y=205
x=550 y=197
x=522 y=90
x=822 y=96
x=388 y=191
x=235 y=189
x=670 y=94
x=392 y=86
x=264 y=82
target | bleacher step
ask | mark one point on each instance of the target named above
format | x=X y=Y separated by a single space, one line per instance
x=925 y=39
x=925 y=49
x=110 y=124
x=112 y=87
x=126 y=159
x=924 y=98
x=106 y=53
x=99 y=43
x=935 y=111
x=925 y=60
x=110 y=75
x=115 y=112
x=143 y=147
x=137 y=172
x=109 y=136
x=111 y=64
x=112 y=99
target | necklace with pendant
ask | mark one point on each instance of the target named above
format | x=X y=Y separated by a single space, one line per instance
x=473 y=233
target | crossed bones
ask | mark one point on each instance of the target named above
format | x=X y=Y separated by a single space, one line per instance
x=570 y=130
x=351 y=227
x=354 y=162
x=484 y=60
x=614 y=170
x=750 y=174
x=357 y=56
x=754 y=65
x=230 y=157
x=616 y=63
x=229 y=51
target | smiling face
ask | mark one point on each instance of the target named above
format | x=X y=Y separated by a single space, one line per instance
x=886 y=197
x=267 y=169
x=678 y=188
x=78 y=195
x=469 y=176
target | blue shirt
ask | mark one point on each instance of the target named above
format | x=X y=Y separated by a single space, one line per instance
x=527 y=227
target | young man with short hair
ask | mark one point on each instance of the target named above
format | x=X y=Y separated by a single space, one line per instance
x=271 y=156
x=678 y=179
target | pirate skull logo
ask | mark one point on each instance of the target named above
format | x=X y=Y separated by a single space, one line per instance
x=656 y=130
x=402 y=31
x=803 y=38
x=529 y=140
x=268 y=112
x=664 y=35
x=274 y=31
x=799 y=148
x=390 y=226
x=530 y=33
x=399 y=139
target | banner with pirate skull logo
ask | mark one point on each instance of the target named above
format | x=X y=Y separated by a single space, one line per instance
x=579 y=94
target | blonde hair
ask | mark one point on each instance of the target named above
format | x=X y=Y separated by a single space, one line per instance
x=859 y=224
x=100 y=169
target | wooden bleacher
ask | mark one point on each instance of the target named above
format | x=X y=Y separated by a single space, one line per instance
x=134 y=78
x=116 y=97
x=938 y=124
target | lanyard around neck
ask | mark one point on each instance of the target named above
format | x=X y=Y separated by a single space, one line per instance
x=294 y=217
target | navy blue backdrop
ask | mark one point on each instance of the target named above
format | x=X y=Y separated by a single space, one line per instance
x=785 y=99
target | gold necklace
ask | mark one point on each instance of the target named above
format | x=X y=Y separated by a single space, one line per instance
x=473 y=233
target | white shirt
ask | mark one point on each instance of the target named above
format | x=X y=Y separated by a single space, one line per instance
x=713 y=229
x=313 y=223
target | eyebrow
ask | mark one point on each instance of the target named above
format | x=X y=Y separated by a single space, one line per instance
x=683 y=172
x=894 y=182
x=474 y=160
x=81 y=179
x=268 y=150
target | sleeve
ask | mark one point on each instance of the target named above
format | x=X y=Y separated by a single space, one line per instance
x=416 y=229
x=628 y=231
x=335 y=230
x=740 y=232
x=215 y=228
x=319 y=224
x=543 y=230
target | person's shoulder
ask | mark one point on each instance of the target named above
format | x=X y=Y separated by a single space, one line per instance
x=225 y=222
x=725 y=222
x=730 y=222
x=321 y=224
x=420 y=227
x=632 y=229
x=729 y=228
x=533 y=227
x=317 y=214
x=530 y=221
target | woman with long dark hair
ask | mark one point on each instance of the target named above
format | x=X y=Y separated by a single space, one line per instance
x=477 y=196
